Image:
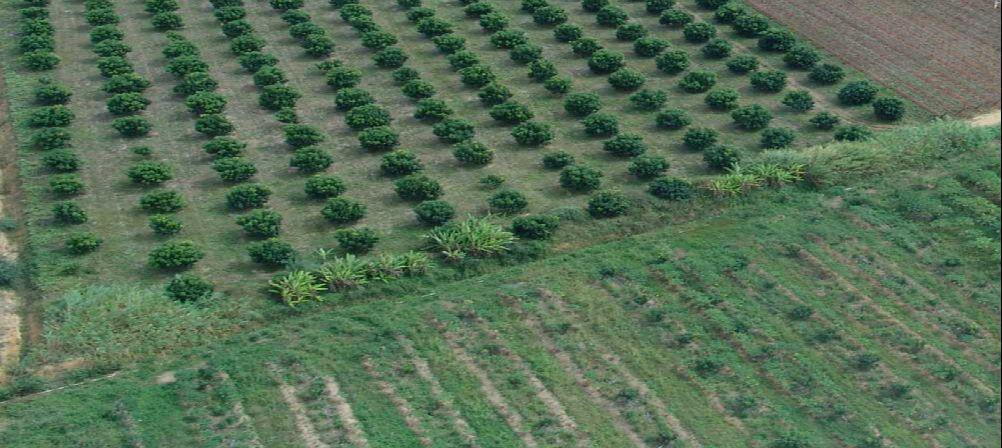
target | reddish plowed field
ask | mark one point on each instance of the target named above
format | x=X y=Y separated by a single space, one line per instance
x=942 y=54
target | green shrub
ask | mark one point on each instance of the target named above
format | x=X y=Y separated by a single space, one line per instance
x=404 y=74
x=177 y=48
x=606 y=61
x=261 y=223
x=768 y=80
x=826 y=74
x=40 y=60
x=650 y=47
x=507 y=202
x=825 y=121
x=611 y=16
x=352 y=97
x=494 y=21
x=271 y=252
x=61 y=161
x=37 y=43
x=477 y=75
x=101 y=16
x=213 y=125
x=472 y=152
x=377 y=39
x=188 y=288
x=49 y=94
x=649 y=100
x=549 y=16
x=66 y=184
x=432 y=109
x=400 y=163
x=150 y=173
x=675 y=18
x=673 y=119
x=128 y=82
x=580 y=178
x=127 y=103
x=418 y=89
x=247 y=196
x=671 y=188
x=449 y=43
x=722 y=99
x=175 y=255
x=417 y=187
x=648 y=167
x=538 y=227
x=594 y=5
x=777 y=40
x=224 y=147
x=343 y=210
x=302 y=135
x=630 y=32
x=434 y=212
x=601 y=125
x=889 y=109
x=699 y=139
x=608 y=204
x=585 y=46
x=417 y=14
x=776 y=138
x=67 y=212
x=454 y=130
x=195 y=82
x=245 y=44
x=511 y=113
x=508 y=39
x=463 y=59
x=558 y=85
x=491 y=182
x=717 y=49
x=433 y=26
x=343 y=77
x=275 y=97
x=390 y=57
x=161 y=201
x=234 y=169
x=379 y=138
x=367 y=116
x=238 y=28
x=697 y=81
x=229 y=13
x=567 y=32
x=269 y=75
x=356 y=240
x=802 y=57
x=857 y=93
x=710 y=4
x=165 y=225
x=50 y=116
x=721 y=157
x=698 y=32
x=532 y=133
x=82 y=243
x=582 y=104
x=179 y=66
x=164 y=21
x=752 y=118
x=625 y=145
x=46 y=139
x=852 y=133
x=627 y=79
x=319 y=186
x=557 y=160
x=742 y=64
x=541 y=70
x=205 y=103
x=311 y=159
x=799 y=100
x=728 y=12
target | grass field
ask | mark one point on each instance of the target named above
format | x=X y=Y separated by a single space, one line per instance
x=856 y=316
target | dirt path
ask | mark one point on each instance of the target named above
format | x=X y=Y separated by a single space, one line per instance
x=438 y=392
x=990 y=119
x=351 y=424
x=303 y=423
x=10 y=319
x=403 y=407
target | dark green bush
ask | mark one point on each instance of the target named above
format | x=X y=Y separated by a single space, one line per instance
x=722 y=99
x=752 y=118
x=699 y=139
x=175 y=255
x=557 y=160
x=400 y=163
x=352 y=97
x=606 y=61
x=68 y=212
x=558 y=85
x=507 y=202
x=601 y=125
x=585 y=46
x=368 y=116
x=101 y=16
x=195 y=82
x=580 y=178
x=508 y=39
x=889 y=109
x=161 y=201
x=434 y=212
x=66 y=184
x=472 y=152
x=494 y=22
x=449 y=43
x=538 y=227
x=379 y=138
x=213 y=125
x=269 y=75
x=356 y=240
x=164 y=21
x=698 y=32
x=549 y=15
x=234 y=169
x=433 y=26
x=205 y=103
x=611 y=16
x=567 y=32
x=717 y=49
x=710 y=4
x=649 y=100
x=261 y=223
x=799 y=100
x=697 y=81
x=61 y=161
x=675 y=18
x=825 y=121
x=827 y=74
x=463 y=59
x=50 y=138
x=418 y=89
x=179 y=66
x=532 y=133
x=857 y=93
x=302 y=135
x=432 y=109
x=150 y=173
x=608 y=204
x=238 y=28
x=343 y=210
x=627 y=79
x=271 y=252
x=768 y=80
x=454 y=130
x=648 y=167
x=511 y=113
x=50 y=116
x=343 y=77
x=777 y=40
x=311 y=159
x=582 y=104
x=229 y=13
x=630 y=32
x=721 y=157
x=477 y=75
x=802 y=57
x=742 y=64
x=128 y=82
x=541 y=70
x=247 y=196
x=594 y=5
x=245 y=44
x=322 y=187
x=673 y=119
x=188 y=288
x=671 y=188
x=776 y=138
x=390 y=57
x=650 y=47
x=417 y=187
x=729 y=12
x=127 y=103
x=852 y=133
x=49 y=94
x=276 y=97
x=165 y=225
x=625 y=145
x=224 y=147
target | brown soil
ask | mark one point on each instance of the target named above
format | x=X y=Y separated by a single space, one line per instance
x=403 y=407
x=347 y=416
x=303 y=423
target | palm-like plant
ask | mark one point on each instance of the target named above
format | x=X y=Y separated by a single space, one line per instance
x=477 y=237
x=735 y=183
x=341 y=273
x=296 y=287
x=776 y=175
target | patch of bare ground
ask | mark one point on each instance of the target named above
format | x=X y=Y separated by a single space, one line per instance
x=303 y=423
x=899 y=302
x=888 y=317
x=129 y=423
x=424 y=372
x=542 y=392
x=351 y=425
x=10 y=319
x=659 y=405
x=10 y=332
x=990 y=119
x=512 y=418
x=403 y=407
